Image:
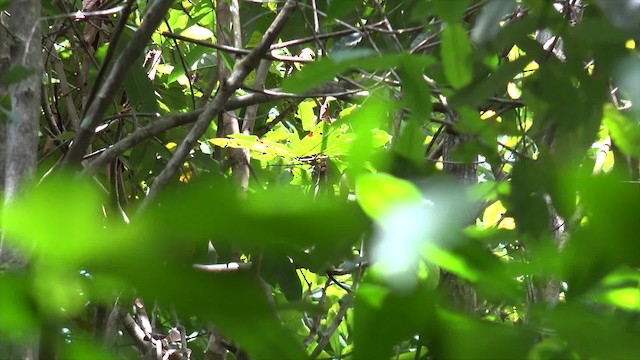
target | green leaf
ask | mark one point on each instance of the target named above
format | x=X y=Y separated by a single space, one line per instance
x=624 y=132
x=601 y=334
x=477 y=94
x=140 y=90
x=450 y=11
x=488 y=24
x=623 y=14
x=410 y=144
x=278 y=269
x=627 y=75
x=415 y=90
x=528 y=205
x=463 y=341
x=82 y=350
x=324 y=139
x=341 y=8
x=198 y=32
x=379 y=194
x=253 y=143
x=17 y=316
x=366 y=122
x=48 y=7
x=456 y=55
x=307 y=114
x=402 y=315
x=10 y=115
x=16 y=74
x=36 y=223
x=241 y=306
x=317 y=73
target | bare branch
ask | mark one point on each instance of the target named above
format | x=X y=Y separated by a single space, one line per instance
x=234 y=50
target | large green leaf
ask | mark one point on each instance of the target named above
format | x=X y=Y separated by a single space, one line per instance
x=488 y=24
x=36 y=223
x=450 y=11
x=415 y=89
x=380 y=194
x=140 y=90
x=401 y=315
x=477 y=94
x=367 y=122
x=16 y=74
x=456 y=55
x=279 y=270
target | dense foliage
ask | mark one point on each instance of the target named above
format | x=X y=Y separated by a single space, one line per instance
x=325 y=179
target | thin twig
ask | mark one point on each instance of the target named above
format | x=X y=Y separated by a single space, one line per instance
x=231 y=49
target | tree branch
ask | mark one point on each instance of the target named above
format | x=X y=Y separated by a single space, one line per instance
x=233 y=50
x=115 y=80
x=157 y=126
x=227 y=88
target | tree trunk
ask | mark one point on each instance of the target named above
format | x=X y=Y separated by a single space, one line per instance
x=544 y=288
x=462 y=295
x=228 y=33
x=20 y=137
x=5 y=62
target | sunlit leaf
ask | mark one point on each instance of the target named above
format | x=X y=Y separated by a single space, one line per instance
x=33 y=223
x=379 y=194
x=307 y=114
x=253 y=143
x=623 y=130
x=198 y=33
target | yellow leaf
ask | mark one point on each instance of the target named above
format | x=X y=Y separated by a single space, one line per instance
x=251 y=142
x=630 y=44
x=513 y=91
x=198 y=32
x=514 y=54
x=493 y=213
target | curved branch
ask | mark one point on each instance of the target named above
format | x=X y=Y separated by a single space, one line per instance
x=165 y=123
